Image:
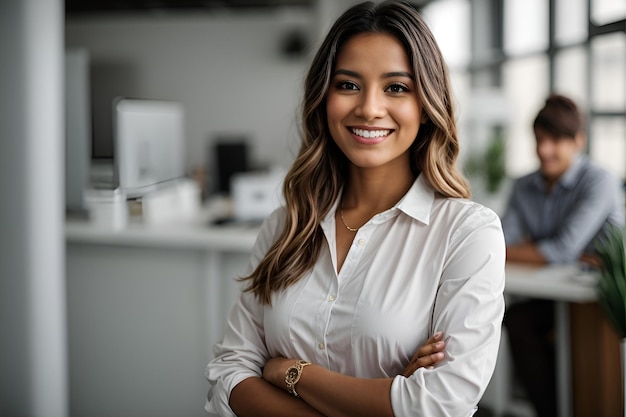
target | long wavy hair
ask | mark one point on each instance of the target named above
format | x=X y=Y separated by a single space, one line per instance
x=320 y=170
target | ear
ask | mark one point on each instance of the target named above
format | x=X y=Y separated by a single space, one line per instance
x=424 y=118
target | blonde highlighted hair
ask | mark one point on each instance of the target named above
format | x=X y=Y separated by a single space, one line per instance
x=319 y=172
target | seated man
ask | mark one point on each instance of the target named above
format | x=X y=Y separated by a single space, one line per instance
x=553 y=216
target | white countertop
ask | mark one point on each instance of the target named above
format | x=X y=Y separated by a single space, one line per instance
x=127 y=227
x=238 y=238
x=554 y=282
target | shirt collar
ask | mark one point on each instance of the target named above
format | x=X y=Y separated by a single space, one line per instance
x=418 y=201
x=568 y=179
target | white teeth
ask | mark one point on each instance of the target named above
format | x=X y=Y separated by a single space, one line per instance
x=370 y=133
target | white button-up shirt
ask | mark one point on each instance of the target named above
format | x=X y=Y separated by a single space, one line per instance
x=428 y=264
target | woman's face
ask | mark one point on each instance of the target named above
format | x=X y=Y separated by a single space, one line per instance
x=372 y=107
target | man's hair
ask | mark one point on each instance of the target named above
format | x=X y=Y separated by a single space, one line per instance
x=560 y=117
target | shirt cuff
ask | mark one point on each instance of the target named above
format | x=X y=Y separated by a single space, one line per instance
x=551 y=255
x=218 y=399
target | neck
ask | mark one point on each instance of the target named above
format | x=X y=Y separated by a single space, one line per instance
x=374 y=192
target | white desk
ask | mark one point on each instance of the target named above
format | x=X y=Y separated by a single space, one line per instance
x=563 y=284
x=554 y=282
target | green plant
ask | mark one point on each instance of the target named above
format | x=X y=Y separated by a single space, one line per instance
x=611 y=286
x=490 y=165
x=495 y=169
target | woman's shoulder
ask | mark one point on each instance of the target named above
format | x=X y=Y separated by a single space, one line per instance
x=462 y=218
x=465 y=210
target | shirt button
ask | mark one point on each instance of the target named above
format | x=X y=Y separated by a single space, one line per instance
x=331 y=298
x=321 y=346
x=361 y=242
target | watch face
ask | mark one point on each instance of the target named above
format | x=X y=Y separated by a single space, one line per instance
x=292 y=373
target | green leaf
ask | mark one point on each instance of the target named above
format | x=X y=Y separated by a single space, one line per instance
x=611 y=287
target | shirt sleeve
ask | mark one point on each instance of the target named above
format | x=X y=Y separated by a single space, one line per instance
x=242 y=352
x=512 y=223
x=469 y=308
x=597 y=198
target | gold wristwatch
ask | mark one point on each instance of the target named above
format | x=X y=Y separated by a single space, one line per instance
x=292 y=376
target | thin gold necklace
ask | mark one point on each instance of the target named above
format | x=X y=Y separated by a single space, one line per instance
x=343 y=220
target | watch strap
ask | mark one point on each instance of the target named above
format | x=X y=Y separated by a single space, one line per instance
x=293 y=374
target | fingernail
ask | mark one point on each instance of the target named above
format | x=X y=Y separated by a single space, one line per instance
x=438 y=335
x=439 y=345
x=430 y=368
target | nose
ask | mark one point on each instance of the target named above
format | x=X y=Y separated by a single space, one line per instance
x=371 y=105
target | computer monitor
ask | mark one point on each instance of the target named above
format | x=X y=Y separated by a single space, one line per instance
x=148 y=144
x=78 y=130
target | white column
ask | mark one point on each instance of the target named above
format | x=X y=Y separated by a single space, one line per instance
x=33 y=347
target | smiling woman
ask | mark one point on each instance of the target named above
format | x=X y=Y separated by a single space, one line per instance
x=377 y=289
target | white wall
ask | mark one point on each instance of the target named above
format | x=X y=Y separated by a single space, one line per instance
x=227 y=70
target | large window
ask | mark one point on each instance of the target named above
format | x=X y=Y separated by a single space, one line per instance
x=449 y=20
x=525 y=82
x=607 y=11
x=571 y=21
x=573 y=47
x=525 y=26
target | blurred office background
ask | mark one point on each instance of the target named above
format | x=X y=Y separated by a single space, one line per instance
x=237 y=68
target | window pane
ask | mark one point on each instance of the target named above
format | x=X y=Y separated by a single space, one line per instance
x=571 y=21
x=526 y=87
x=571 y=74
x=525 y=26
x=449 y=20
x=608 y=143
x=485 y=77
x=607 y=11
x=608 y=86
x=460 y=81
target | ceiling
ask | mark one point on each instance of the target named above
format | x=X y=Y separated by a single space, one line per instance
x=79 y=7
x=73 y=7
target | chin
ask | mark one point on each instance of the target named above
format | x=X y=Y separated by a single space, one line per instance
x=552 y=174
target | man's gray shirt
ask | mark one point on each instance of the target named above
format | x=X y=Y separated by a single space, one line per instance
x=564 y=222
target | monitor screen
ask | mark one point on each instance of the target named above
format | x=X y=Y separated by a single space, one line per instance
x=77 y=129
x=149 y=143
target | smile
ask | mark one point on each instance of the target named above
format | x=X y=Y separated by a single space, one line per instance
x=370 y=134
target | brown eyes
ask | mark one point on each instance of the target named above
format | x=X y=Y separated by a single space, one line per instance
x=394 y=88
x=397 y=88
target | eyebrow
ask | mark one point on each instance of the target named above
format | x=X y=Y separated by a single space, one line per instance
x=385 y=75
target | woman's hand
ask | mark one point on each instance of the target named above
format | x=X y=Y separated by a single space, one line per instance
x=427 y=355
x=275 y=370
